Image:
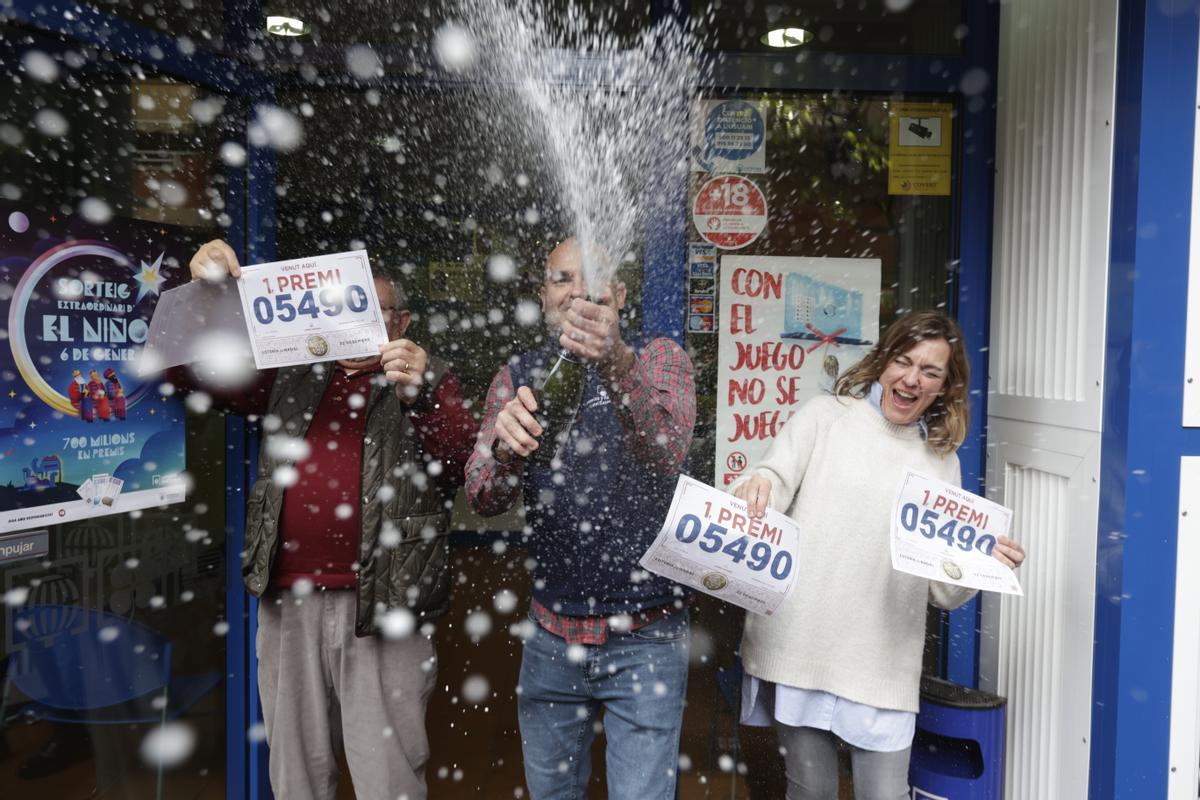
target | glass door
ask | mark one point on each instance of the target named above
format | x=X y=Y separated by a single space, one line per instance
x=112 y=490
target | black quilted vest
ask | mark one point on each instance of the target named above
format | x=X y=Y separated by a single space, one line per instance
x=410 y=571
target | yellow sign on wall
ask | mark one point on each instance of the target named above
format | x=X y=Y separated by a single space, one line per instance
x=919 y=148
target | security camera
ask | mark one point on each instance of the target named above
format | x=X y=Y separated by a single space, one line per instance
x=920 y=130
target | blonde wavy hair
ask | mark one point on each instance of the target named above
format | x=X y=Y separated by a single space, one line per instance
x=948 y=415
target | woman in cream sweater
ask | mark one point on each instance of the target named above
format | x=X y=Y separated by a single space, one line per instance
x=842 y=658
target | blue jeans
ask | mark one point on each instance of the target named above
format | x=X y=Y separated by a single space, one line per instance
x=639 y=679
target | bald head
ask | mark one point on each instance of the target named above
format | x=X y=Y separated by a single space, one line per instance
x=565 y=278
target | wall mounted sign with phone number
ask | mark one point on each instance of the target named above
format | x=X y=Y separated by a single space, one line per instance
x=709 y=543
x=947 y=534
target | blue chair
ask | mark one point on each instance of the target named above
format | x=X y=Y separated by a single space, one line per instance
x=68 y=659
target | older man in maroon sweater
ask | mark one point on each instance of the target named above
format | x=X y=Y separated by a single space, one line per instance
x=346 y=544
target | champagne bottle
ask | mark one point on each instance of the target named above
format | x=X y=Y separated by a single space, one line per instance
x=558 y=396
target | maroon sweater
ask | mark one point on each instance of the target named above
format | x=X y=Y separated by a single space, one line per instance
x=320 y=521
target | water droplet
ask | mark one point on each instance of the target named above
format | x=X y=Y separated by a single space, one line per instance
x=528 y=313
x=501 y=268
x=286 y=476
x=168 y=745
x=51 y=123
x=16 y=597
x=397 y=623
x=505 y=601
x=363 y=63
x=277 y=128
x=95 y=211
x=476 y=689
x=454 y=47
x=199 y=402
x=477 y=625
x=974 y=81
x=220 y=358
x=40 y=66
x=287 y=448
x=233 y=154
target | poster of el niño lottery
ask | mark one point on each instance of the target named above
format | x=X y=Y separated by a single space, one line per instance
x=788 y=327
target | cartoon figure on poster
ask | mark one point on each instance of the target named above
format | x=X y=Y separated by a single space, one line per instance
x=72 y=405
x=789 y=327
x=114 y=392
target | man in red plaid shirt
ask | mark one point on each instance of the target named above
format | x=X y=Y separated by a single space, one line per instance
x=608 y=634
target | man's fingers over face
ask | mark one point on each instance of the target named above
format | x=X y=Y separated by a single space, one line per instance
x=597 y=324
x=588 y=347
x=594 y=301
x=592 y=312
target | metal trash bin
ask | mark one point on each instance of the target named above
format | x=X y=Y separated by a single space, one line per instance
x=958 y=748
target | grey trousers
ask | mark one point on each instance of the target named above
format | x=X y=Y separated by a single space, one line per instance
x=322 y=689
x=810 y=760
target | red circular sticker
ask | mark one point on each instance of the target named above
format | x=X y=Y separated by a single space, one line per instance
x=730 y=211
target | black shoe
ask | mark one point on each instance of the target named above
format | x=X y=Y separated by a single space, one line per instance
x=67 y=746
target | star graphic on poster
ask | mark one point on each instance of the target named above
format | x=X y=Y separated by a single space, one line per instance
x=149 y=278
x=11 y=393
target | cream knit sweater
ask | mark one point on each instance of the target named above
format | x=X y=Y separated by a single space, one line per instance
x=853 y=626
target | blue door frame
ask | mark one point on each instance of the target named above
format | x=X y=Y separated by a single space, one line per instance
x=250 y=203
x=1143 y=439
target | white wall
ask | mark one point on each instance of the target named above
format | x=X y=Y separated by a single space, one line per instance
x=1055 y=86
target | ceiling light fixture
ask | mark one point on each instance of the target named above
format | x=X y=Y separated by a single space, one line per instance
x=786 y=37
x=278 y=25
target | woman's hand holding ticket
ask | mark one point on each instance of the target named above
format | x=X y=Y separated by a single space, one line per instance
x=756 y=492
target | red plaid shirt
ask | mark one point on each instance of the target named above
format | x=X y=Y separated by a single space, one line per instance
x=655 y=404
x=656 y=407
x=594 y=630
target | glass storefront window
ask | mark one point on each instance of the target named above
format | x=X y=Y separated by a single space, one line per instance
x=442 y=195
x=825 y=179
x=112 y=645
